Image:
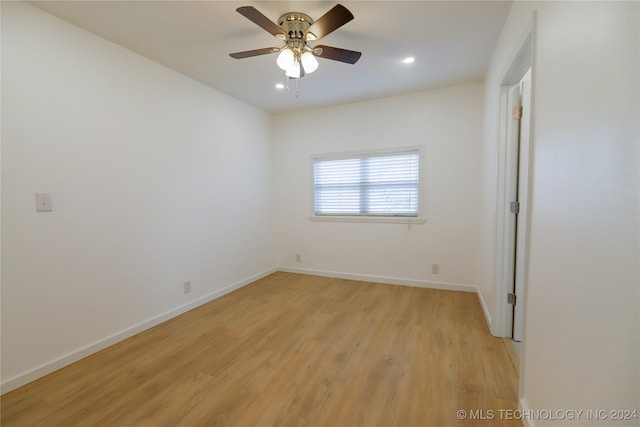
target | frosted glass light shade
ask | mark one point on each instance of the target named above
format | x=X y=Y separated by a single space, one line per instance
x=294 y=70
x=309 y=62
x=285 y=59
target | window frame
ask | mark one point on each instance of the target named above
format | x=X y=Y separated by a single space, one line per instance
x=419 y=219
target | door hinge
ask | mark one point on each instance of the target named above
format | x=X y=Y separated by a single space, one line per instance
x=515 y=208
x=511 y=299
x=517 y=113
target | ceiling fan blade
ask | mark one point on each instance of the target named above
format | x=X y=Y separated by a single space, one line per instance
x=337 y=54
x=255 y=52
x=254 y=15
x=330 y=21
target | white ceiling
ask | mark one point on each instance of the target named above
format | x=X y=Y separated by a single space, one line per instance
x=452 y=42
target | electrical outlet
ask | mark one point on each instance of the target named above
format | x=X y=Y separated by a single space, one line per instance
x=187 y=286
x=435 y=268
x=43 y=202
x=298 y=257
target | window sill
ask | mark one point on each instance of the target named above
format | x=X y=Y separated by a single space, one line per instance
x=379 y=219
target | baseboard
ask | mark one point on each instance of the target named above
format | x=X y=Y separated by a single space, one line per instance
x=524 y=408
x=487 y=316
x=383 y=279
x=61 y=362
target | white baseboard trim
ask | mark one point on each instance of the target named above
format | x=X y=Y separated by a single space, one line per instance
x=522 y=405
x=383 y=279
x=487 y=315
x=74 y=356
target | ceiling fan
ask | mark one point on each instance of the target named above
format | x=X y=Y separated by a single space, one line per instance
x=297 y=29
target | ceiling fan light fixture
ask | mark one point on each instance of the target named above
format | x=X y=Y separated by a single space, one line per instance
x=294 y=70
x=309 y=62
x=286 y=58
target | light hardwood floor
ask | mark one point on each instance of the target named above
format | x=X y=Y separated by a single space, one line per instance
x=290 y=350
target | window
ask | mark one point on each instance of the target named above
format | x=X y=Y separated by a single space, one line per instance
x=371 y=184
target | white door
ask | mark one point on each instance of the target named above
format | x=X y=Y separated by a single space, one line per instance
x=511 y=191
x=511 y=183
x=522 y=198
x=517 y=192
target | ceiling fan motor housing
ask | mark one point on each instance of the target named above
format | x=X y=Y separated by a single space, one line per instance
x=295 y=24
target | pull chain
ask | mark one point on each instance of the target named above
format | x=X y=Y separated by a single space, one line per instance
x=297 y=92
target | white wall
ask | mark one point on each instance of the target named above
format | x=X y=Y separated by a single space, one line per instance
x=155 y=178
x=448 y=123
x=582 y=328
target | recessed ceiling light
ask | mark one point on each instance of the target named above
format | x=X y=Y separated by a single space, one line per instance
x=409 y=60
x=279 y=86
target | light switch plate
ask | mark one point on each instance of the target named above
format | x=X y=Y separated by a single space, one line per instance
x=43 y=202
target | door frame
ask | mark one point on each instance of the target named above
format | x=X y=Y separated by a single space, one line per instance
x=505 y=232
x=522 y=219
x=510 y=221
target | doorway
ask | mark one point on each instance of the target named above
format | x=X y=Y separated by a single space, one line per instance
x=513 y=195
x=518 y=149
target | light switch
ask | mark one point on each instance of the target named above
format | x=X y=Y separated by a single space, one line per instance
x=43 y=202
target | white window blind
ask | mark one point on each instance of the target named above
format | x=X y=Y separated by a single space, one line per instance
x=370 y=184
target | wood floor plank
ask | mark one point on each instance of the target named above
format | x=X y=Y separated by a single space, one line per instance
x=289 y=350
